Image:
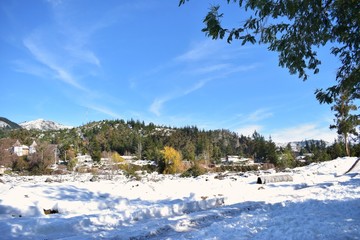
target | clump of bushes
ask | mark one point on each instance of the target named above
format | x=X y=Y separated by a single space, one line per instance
x=130 y=170
x=195 y=171
x=71 y=164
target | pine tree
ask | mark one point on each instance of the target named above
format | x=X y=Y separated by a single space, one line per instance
x=345 y=123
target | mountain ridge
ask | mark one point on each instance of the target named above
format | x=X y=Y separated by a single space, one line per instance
x=48 y=125
x=8 y=124
x=43 y=125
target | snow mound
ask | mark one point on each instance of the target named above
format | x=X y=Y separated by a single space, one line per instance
x=337 y=167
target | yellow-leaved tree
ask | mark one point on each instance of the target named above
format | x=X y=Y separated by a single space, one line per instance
x=117 y=158
x=172 y=161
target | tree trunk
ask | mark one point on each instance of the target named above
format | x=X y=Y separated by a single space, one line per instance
x=346 y=145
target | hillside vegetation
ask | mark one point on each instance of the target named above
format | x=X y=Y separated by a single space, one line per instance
x=147 y=141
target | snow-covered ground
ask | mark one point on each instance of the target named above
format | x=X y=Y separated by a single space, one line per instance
x=320 y=203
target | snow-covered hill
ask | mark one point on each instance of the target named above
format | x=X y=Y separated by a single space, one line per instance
x=322 y=202
x=7 y=124
x=4 y=125
x=44 y=125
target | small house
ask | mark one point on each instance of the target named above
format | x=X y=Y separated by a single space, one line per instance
x=233 y=159
x=20 y=150
x=83 y=158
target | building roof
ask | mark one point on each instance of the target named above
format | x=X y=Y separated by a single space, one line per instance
x=17 y=144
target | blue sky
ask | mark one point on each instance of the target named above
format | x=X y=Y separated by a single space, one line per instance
x=78 y=61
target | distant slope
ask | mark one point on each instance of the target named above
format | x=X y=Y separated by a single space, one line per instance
x=297 y=145
x=43 y=125
x=7 y=124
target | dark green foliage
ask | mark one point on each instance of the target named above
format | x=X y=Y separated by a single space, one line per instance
x=286 y=159
x=320 y=151
x=130 y=171
x=71 y=164
x=345 y=122
x=95 y=152
x=258 y=148
x=336 y=150
x=355 y=150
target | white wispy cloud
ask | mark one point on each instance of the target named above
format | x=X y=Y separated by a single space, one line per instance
x=55 y=3
x=31 y=68
x=248 y=130
x=209 y=49
x=204 y=62
x=258 y=115
x=242 y=68
x=198 y=85
x=211 y=68
x=64 y=44
x=157 y=105
x=77 y=40
x=199 y=51
x=221 y=70
x=249 y=119
x=159 y=102
x=104 y=110
x=63 y=48
x=84 y=55
x=48 y=59
x=246 y=124
x=303 y=132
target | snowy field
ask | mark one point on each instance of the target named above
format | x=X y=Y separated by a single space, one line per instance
x=320 y=203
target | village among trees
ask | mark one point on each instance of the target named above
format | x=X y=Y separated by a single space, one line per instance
x=119 y=144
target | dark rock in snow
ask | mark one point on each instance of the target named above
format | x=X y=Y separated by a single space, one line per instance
x=94 y=179
x=48 y=180
x=50 y=211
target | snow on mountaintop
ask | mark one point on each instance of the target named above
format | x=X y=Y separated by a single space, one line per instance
x=7 y=124
x=44 y=125
x=297 y=145
x=4 y=124
x=321 y=203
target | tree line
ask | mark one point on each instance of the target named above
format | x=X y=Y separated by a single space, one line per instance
x=149 y=141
